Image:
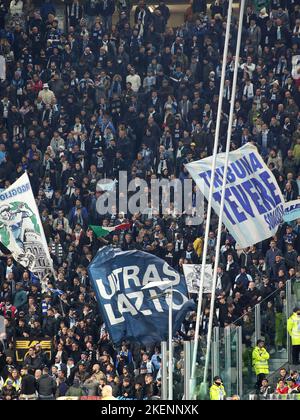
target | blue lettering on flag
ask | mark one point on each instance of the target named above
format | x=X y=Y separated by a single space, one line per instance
x=250 y=190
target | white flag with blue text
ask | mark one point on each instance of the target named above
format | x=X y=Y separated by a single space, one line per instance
x=21 y=230
x=254 y=205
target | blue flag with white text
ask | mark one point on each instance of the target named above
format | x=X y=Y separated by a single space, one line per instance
x=128 y=311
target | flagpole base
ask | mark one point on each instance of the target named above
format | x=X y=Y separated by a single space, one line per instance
x=193 y=383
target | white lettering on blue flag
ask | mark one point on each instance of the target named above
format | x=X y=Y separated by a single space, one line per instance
x=128 y=309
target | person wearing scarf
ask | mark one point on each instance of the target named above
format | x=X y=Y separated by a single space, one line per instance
x=75 y=13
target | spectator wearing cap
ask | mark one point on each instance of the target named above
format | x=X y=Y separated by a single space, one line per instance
x=20 y=297
x=46 y=96
x=82 y=373
x=260 y=362
x=75 y=390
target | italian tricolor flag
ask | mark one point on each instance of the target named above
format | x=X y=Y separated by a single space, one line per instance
x=101 y=231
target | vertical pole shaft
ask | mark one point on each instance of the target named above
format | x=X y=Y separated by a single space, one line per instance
x=187 y=369
x=164 y=373
x=171 y=346
x=226 y=163
x=257 y=315
x=213 y=168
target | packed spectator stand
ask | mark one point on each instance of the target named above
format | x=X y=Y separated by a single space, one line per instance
x=92 y=88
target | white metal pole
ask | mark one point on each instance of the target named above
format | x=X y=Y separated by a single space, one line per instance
x=208 y=216
x=170 y=345
x=229 y=132
x=164 y=384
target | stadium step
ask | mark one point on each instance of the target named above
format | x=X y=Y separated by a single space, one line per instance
x=280 y=355
x=276 y=364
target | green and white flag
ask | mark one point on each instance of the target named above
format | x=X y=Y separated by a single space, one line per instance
x=21 y=230
x=101 y=231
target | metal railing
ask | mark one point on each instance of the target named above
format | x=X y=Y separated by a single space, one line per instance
x=231 y=353
x=277 y=397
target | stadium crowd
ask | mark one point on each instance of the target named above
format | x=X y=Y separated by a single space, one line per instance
x=86 y=96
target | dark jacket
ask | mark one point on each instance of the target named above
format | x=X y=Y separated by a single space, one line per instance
x=50 y=326
x=33 y=363
x=28 y=385
x=46 y=385
x=226 y=283
x=20 y=299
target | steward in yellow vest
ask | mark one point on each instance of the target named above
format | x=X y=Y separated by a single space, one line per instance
x=293 y=327
x=260 y=362
x=217 y=391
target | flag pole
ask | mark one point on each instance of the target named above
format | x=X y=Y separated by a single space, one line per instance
x=211 y=189
x=171 y=344
x=220 y=223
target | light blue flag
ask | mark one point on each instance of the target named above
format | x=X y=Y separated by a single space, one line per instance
x=291 y=211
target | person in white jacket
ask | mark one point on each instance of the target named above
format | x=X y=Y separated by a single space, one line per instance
x=134 y=79
x=16 y=7
x=46 y=95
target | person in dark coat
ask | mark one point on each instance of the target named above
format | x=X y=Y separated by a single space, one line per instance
x=46 y=386
x=50 y=324
x=28 y=385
